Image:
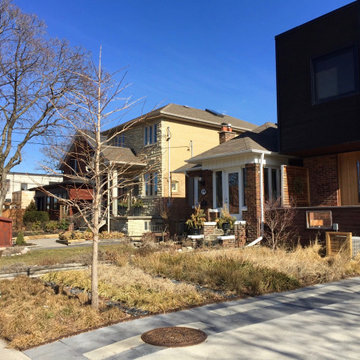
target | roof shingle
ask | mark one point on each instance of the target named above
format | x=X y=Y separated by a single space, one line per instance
x=263 y=138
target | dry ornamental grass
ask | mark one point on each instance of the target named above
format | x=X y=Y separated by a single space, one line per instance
x=31 y=313
x=134 y=288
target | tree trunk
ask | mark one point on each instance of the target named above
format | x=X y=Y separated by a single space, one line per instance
x=94 y=273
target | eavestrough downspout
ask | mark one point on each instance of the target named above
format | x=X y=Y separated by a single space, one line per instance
x=168 y=137
x=262 y=194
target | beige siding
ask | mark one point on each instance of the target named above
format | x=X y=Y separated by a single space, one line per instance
x=202 y=138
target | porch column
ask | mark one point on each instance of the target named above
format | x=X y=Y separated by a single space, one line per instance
x=114 y=193
x=252 y=196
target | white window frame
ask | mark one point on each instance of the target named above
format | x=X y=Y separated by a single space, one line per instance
x=175 y=189
x=150 y=134
x=225 y=189
x=269 y=189
x=149 y=178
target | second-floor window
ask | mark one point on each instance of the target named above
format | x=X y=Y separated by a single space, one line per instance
x=150 y=134
x=151 y=184
x=335 y=75
x=119 y=140
x=74 y=166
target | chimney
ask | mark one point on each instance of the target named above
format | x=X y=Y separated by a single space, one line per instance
x=226 y=133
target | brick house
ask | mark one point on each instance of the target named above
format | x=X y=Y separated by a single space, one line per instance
x=229 y=175
x=156 y=144
x=318 y=95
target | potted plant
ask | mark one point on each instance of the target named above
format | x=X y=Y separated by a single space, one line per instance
x=196 y=221
x=122 y=207
x=225 y=221
x=137 y=205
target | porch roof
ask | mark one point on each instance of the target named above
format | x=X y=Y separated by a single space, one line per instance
x=187 y=167
x=262 y=139
x=121 y=155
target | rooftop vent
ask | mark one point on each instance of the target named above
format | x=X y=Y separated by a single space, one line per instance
x=214 y=112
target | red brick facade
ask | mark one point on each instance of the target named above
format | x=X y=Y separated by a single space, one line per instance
x=323 y=179
x=295 y=183
x=252 y=198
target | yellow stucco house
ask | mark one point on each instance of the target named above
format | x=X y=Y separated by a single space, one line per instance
x=163 y=139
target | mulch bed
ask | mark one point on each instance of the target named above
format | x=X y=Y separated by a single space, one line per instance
x=174 y=336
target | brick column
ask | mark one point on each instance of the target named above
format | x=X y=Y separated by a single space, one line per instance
x=252 y=197
x=240 y=233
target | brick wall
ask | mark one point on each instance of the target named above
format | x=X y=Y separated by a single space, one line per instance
x=346 y=217
x=252 y=197
x=323 y=179
x=295 y=186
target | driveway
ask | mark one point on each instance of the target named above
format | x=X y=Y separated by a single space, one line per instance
x=318 y=322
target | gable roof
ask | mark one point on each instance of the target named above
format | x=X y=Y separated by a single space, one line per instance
x=116 y=154
x=262 y=139
x=121 y=155
x=188 y=114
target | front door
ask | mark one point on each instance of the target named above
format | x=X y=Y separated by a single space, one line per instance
x=349 y=178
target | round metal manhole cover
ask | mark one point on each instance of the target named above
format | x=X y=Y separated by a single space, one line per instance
x=174 y=336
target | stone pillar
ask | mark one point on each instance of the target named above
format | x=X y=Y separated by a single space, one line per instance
x=209 y=229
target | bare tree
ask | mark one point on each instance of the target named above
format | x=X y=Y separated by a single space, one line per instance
x=35 y=75
x=279 y=228
x=93 y=167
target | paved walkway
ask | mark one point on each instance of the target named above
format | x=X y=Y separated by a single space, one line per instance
x=319 y=322
x=51 y=243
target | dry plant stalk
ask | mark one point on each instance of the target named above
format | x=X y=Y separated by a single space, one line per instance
x=279 y=230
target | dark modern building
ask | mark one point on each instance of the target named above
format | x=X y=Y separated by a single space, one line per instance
x=318 y=95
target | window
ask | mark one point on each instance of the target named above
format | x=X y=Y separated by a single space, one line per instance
x=151 y=184
x=150 y=134
x=74 y=167
x=335 y=75
x=321 y=219
x=243 y=186
x=174 y=186
x=219 y=189
x=24 y=186
x=7 y=185
x=119 y=140
x=271 y=184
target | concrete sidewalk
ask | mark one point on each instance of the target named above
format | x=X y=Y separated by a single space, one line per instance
x=319 y=322
x=10 y=354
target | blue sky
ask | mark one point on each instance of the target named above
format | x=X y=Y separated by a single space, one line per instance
x=201 y=53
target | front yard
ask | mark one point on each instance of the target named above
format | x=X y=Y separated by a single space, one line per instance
x=136 y=282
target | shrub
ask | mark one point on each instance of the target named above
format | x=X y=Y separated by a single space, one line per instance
x=33 y=216
x=20 y=239
x=111 y=235
x=197 y=219
x=35 y=226
x=64 y=224
x=51 y=226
